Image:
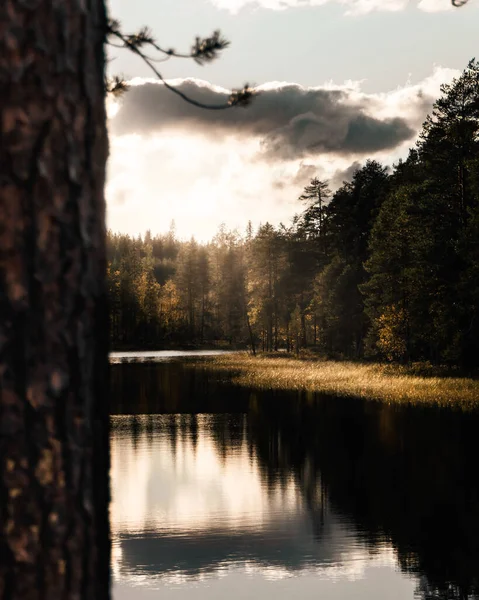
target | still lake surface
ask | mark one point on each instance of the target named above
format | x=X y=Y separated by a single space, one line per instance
x=223 y=492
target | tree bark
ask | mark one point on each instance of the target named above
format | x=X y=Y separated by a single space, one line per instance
x=54 y=413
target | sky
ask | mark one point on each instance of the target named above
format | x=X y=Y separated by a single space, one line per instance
x=340 y=81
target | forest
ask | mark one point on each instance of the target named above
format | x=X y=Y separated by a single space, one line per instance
x=384 y=268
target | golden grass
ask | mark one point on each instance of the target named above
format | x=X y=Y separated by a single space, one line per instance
x=369 y=381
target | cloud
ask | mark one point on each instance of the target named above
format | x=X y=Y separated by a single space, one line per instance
x=304 y=174
x=290 y=121
x=344 y=175
x=435 y=5
x=352 y=7
x=169 y=160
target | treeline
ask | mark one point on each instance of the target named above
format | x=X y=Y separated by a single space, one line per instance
x=385 y=267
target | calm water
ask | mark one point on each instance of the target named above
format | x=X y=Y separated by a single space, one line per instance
x=160 y=355
x=220 y=492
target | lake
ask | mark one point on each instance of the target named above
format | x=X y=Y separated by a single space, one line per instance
x=225 y=492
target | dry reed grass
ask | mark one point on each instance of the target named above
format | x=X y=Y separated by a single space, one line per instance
x=369 y=381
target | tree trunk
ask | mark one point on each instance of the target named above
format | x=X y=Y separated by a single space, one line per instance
x=203 y=308
x=250 y=332
x=304 y=341
x=54 y=458
x=191 y=312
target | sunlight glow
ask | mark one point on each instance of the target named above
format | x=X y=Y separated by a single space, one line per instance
x=203 y=177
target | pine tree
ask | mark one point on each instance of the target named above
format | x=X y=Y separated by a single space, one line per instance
x=315 y=195
x=54 y=533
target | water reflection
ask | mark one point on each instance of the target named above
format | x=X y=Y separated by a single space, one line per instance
x=287 y=494
x=160 y=355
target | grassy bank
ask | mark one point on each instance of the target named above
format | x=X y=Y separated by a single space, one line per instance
x=387 y=383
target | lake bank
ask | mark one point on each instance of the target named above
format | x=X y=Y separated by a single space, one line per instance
x=370 y=381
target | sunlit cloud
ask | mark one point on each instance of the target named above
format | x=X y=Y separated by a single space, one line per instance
x=352 y=7
x=171 y=161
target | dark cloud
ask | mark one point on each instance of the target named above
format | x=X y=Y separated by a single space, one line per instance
x=292 y=121
x=302 y=177
x=342 y=176
x=304 y=174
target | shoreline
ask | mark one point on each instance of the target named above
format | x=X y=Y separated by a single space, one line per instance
x=417 y=384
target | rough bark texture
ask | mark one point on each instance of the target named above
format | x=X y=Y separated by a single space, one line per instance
x=54 y=536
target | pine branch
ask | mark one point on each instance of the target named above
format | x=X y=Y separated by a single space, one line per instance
x=116 y=86
x=203 y=50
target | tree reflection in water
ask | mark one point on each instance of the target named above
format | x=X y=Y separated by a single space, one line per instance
x=404 y=474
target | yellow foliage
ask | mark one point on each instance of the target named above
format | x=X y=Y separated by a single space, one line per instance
x=391 y=333
x=170 y=302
